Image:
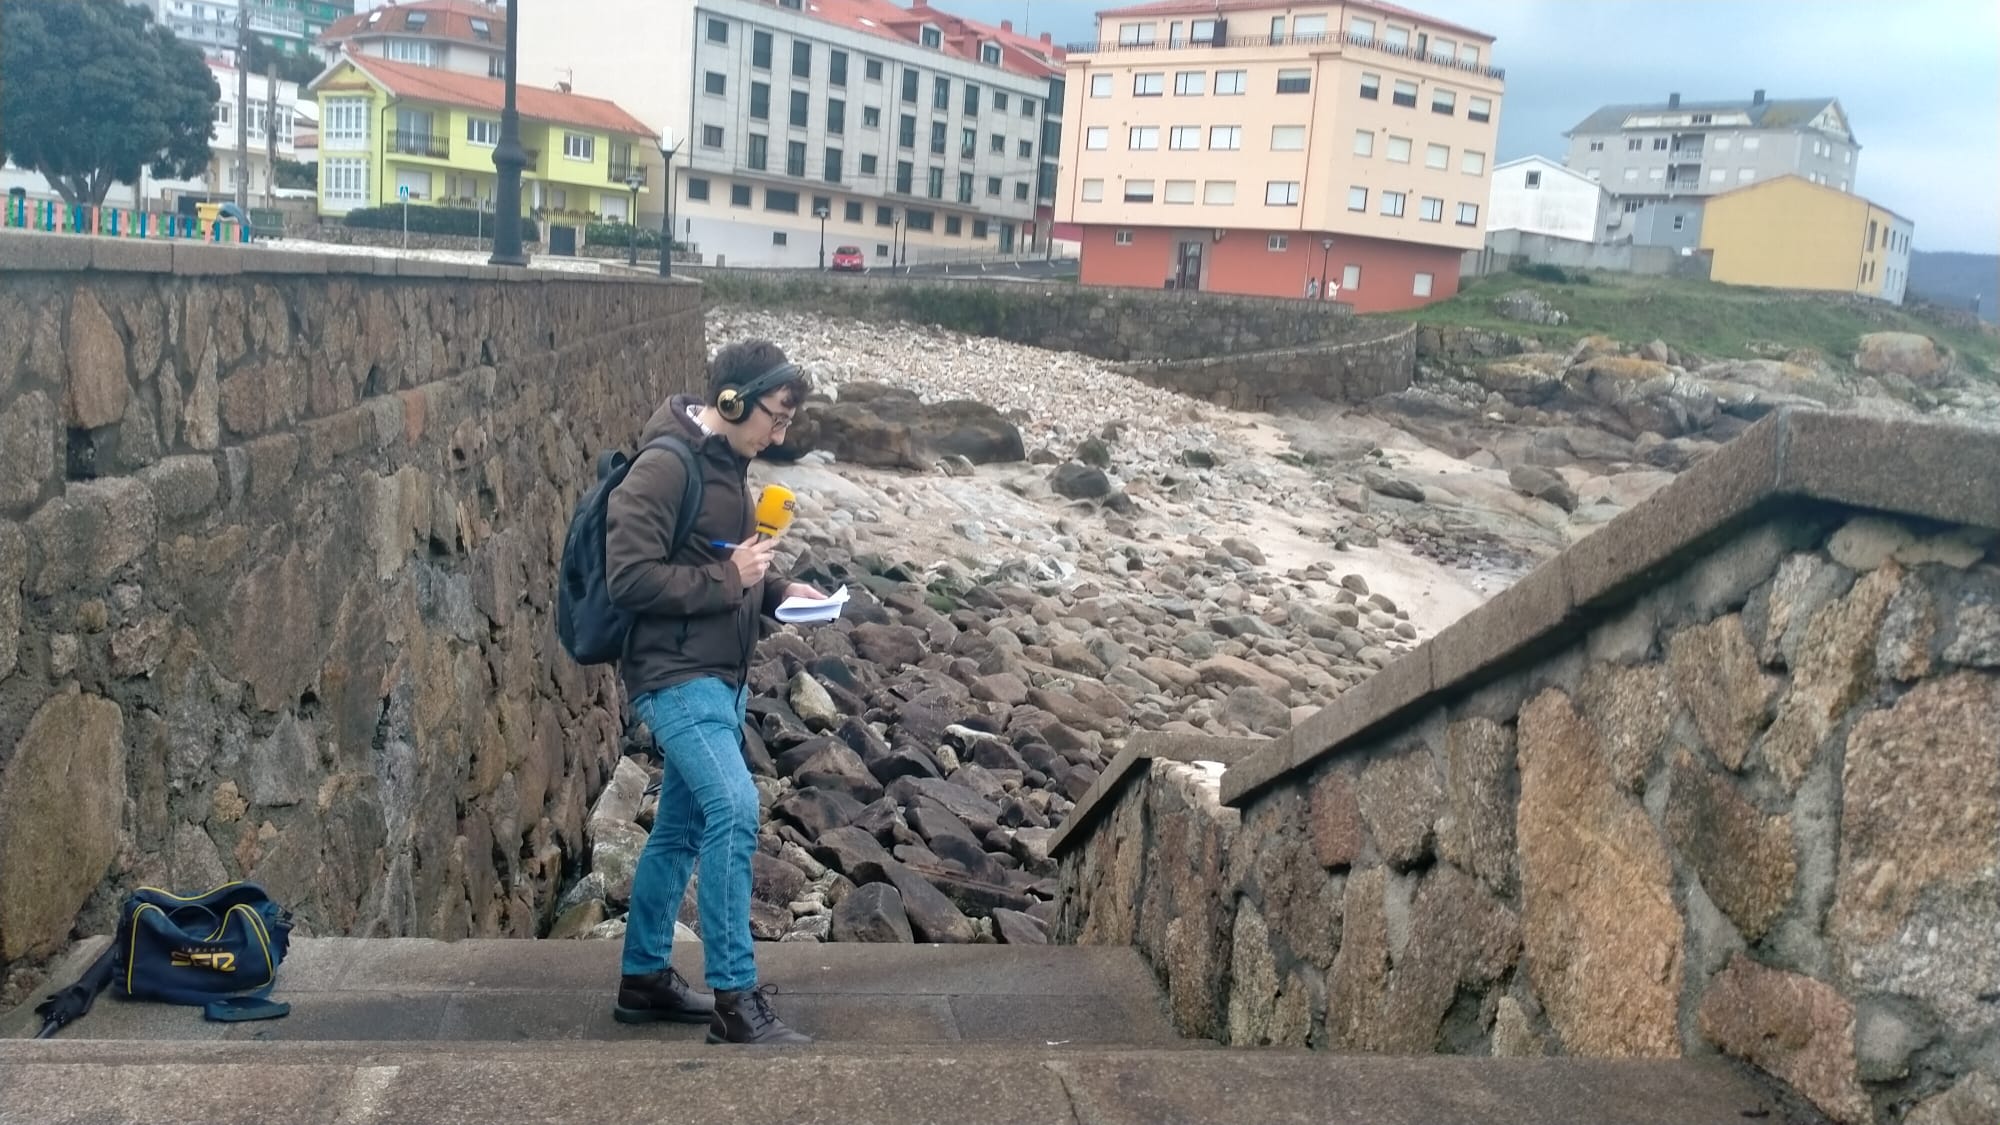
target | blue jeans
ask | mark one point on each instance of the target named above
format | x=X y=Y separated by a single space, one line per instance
x=708 y=808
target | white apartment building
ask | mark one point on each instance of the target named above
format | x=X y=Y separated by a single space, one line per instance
x=918 y=133
x=1536 y=195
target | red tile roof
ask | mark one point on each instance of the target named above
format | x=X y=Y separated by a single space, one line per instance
x=1215 y=7
x=473 y=91
x=1019 y=54
x=445 y=19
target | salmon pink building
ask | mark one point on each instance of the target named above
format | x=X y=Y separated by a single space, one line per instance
x=1341 y=150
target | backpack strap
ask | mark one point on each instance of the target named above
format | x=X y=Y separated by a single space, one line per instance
x=690 y=507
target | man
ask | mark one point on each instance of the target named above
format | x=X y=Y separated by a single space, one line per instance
x=685 y=669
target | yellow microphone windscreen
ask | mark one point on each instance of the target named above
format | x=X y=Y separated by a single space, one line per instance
x=775 y=509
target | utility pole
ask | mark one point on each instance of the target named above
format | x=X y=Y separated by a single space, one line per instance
x=243 y=105
x=271 y=139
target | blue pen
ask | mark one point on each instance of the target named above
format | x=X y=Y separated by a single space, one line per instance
x=721 y=546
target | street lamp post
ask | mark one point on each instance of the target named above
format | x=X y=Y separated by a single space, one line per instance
x=632 y=180
x=1325 y=250
x=509 y=158
x=895 y=231
x=820 y=214
x=668 y=147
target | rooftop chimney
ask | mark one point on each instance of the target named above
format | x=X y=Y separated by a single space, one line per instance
x=1006 y=25
x=1673 y=101
x=1048 y=37
x=1757 y=98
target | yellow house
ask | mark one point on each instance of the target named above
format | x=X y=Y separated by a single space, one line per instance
x=1791 y=233
x=387 y=126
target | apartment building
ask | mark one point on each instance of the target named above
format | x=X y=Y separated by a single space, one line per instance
x=1536 y=195
x=1337 y=149
x=290 y=26
x=466 y=36
x=1645 y=154
x=1792 y=233
x=387 y=127
x=917 y=132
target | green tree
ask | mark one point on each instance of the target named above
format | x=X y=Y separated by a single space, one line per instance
x=94 y=90
x=260 y=56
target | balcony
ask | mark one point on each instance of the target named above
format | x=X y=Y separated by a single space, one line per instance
x=434 y=145
x=1250 y=41
x=619 y=173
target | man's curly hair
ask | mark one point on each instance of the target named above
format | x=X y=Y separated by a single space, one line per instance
x=740 y=363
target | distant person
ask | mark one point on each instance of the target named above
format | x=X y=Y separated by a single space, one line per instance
x=1312 y=289
x=696 y=621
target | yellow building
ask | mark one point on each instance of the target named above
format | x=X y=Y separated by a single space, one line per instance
x=389 y=126
x=1791 y=233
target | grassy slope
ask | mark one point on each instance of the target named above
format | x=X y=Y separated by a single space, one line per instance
x=1710 y=319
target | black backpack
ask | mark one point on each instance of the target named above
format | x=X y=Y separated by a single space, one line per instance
x=592 y=630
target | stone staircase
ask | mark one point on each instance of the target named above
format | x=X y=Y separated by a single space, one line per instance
x=495 y=1032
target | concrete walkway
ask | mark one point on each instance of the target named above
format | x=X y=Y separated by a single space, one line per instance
x=387 y=1032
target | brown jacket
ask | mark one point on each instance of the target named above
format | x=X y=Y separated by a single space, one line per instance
x=692 y=618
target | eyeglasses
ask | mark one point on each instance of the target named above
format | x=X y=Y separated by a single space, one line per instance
x=779 y=422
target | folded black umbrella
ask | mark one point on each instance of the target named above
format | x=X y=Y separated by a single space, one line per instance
x=70 y=1004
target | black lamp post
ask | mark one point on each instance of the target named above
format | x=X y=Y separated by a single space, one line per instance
x=1325 y=250
x=508 y=159
x=668 y=147
x=632 y=180
x=820 y=214
x=895 y=233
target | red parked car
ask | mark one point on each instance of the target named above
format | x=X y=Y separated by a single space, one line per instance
x=847 y=259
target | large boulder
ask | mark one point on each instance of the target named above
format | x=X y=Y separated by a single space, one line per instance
x=1916 y=358
x=890 y=427
x=1527 y=306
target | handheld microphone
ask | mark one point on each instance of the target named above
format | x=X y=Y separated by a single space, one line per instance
x=775 y=509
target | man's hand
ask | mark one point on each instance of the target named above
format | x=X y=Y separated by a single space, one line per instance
x=802 y=590
x=752 y=561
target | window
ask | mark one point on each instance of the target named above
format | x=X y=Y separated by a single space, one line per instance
x=1308 y=27
x=1656 y=174
x=997 y=145
x=1364 y=142
x=739 y=195
x=1218 y=193
x=1138 y=191
x=1143 y=138
x=795 y=158
x=833 y=162
x=715 y=84
x=1230 y=81
x=993 y=186
x=968 y=143
x=1184 y=138
x=989 y=53
x=979 y=229
x=1481 y=110
x=760 y=101
x=1634 y=145
x=711 y=136
x=1631 y=175
x=1180 y=191
x=910 y=86
x=999 y=101
x=1204 y=31
x=1136 y=34
x=1393 y=203
x=871 y=117
x=906 y=132
x=971 y=100
x=802 y=59
x=346 y=179
x=1097 y=138
x=482 y=131
x=1468 y=214
x=1276 y=242
x=1474 y=163
x=346 y=124
x=1421 y=285
x=937 y=137
x=579 y=146
x=1444 y=102
x=785 y=201
x=1360 y=28
x=1093 y=190
x=934 y=183
x=1717 y=175
x=1281 y=193
x=1722 y=144
x=1026 y=150
x=1371 y=87
x=1027 y=107
x=836 y=116
x=1592 y=174
x=1743 y=175
x=779 y=238
x=851 y=212
x=1350 y=277
x=1532 y=180
x=697 y=188
x=872 y=70
x=1150 y=84
x=933 y=38
x=759 y=152
x=1295 y=81
x=1277 y=30
x=965 y=187
x=1397 y=37
x=1288 y=138
x=940 y=93
x=1405 y=94
x=801 y=105
x=1751 y=144
x=1399 y=149
x=1438 y=157
x=867 y=163
x=1659 y=144
x=760 y=50
x=1100 y=85
x=1357 y=199
x=1122 y=238
x=1468 y=54
x=1430 y=210
x=884 y=216
x=1190 y=83
x=836 y=68
x=918 y=219
x=1444 y=49
x=1680 y=222
x=718 y=31
x=1225 y=138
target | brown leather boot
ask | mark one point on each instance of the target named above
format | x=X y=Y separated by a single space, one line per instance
x=665 y=995
x=747 y=1017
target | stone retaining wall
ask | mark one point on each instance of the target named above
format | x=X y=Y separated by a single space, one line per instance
x=1720 y=778
x=277 y=538
x=1344 y=372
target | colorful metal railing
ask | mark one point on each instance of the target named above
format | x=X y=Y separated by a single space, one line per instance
x=56 y=217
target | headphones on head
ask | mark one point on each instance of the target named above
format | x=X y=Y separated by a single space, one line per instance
x=735 y=403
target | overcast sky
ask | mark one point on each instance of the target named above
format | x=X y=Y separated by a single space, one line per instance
x=1919 y=79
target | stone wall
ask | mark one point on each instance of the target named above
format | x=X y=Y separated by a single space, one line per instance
x=1720 y=778
x=1354 y=371
x=1116 y=324
x=277 y=538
